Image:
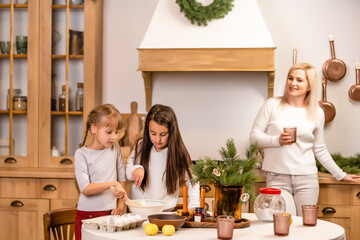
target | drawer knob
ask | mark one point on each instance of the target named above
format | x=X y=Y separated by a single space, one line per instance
x=358 y=194
x=49 y=188
x=329 y=210
x=66 y=161
x=10 y=160
x=206 y=187
x=16 y=203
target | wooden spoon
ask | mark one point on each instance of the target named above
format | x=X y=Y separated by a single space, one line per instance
x=128 y=200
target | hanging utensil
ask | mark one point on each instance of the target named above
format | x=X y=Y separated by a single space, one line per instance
x=333 y=69
x=354 y=91
x=328 y=107
x=294 y=56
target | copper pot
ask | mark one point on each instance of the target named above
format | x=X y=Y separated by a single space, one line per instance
x=333 y=69
x=354 y=91
x=328 y=107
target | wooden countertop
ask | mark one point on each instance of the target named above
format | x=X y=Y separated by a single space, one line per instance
x=324 y=178
x=37 y=173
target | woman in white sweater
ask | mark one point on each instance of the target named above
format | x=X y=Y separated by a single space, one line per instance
x=291 y=166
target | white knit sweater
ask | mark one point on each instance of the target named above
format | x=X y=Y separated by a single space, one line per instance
x=298 y=158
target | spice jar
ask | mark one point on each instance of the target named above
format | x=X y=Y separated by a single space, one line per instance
x=268 y=202
x=16 y=92
x=19 y=103
x=199 y=214
x=62 y=98
x=79 y=101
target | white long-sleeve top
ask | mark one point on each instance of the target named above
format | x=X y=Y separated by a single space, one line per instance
x=298 y=158
x=98 y=166
x=156 y=185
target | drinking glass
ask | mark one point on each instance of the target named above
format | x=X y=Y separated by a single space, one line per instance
x=309 y=214
x=292 y=133
x=5 y=47
x=281 y=224
x=21 y=44
x=225 y=226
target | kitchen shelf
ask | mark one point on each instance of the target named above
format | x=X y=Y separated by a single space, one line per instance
x=73 y=113
x=15 y=5
x=15 y=55
x=57 y=56
x=64 y=6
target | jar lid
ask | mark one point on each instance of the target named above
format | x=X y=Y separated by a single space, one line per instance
x=20 y=98
x=270 y=191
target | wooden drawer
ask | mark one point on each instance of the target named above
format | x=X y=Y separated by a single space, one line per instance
x=334 y=194
x=334 y=211
x=38 y=188
x=355 y=195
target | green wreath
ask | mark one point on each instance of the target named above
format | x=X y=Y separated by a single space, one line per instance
x=197 y=13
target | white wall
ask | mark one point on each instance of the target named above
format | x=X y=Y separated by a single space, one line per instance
x=212 y=107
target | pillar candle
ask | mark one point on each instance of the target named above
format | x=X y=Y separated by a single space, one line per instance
x=202 y=197
x=185 y=206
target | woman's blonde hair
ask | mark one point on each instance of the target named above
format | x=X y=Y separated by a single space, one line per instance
x=103 y=116
x=311 y=98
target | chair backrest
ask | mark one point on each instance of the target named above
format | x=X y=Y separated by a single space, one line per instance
x=61 y=222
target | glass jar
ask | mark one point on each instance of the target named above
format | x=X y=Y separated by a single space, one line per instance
x=19 y=103
x=62 y=99
x=268 y=202
x=16 y=92
x=199 y=214
x=79 y=101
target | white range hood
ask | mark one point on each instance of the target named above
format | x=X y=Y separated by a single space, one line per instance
x=238 y=42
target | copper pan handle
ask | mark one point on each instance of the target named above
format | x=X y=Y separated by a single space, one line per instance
x=324 y=88
x=357 y=69
x=294 y=56
x=331 y=40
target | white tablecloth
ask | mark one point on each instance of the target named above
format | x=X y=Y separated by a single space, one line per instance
x=258 y=230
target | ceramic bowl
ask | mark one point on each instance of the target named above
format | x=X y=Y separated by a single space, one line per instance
x=167 y=219
x=148 y=207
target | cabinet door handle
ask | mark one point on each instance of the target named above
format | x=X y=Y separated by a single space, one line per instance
x=358 y=194
x=329 y=210
x=206 y=187
x=17 y=203
x=66 y=161
x=49 y=188
x=10 y=160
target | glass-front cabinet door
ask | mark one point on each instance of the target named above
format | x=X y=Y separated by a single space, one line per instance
x=69 y=36
x=19 y=69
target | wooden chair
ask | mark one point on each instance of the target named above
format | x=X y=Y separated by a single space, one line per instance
x=61 y=222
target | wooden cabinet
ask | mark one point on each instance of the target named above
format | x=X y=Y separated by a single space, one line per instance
x=340 y=203
x=32 y=180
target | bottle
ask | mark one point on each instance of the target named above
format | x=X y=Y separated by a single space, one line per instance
x=62 y=98
x=79 y=97
x=16 y=93
x=268 y=202
x=53 y=92
x=198 y=214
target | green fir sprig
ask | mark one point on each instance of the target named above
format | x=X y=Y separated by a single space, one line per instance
x=349 y=165
x=231 y=170
x=201 y=15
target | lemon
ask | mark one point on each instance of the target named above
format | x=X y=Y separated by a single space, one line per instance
x=151 y=229
x=287 y=214
x=168 y=230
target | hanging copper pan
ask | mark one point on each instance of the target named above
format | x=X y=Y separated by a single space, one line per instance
x=354 y=91
x=328 y=107
x=333 y=69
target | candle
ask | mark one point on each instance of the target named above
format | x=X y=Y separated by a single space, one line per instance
x=202 y=198
x=185 y=206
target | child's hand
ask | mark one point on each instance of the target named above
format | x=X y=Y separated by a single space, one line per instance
x=116 y=211
x=118 y=191
x=138 y=176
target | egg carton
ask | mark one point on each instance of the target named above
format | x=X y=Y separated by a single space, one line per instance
x=112 y=223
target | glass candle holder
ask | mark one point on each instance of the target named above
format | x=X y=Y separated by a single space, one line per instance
x=281 y=224
x=309 y=214
x=292 y=132
x=225 y=226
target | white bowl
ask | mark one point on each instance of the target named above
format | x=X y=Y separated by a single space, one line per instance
x=148 y=207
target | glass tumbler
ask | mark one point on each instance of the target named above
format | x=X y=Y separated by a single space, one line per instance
x=225 y=226
x=5 y=47
x=309 y=214
x=281 y=224
x=21 y=44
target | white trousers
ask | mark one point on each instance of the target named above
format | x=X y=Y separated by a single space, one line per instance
x=297 y=190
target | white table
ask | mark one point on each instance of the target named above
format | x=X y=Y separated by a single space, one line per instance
x=258 y=230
